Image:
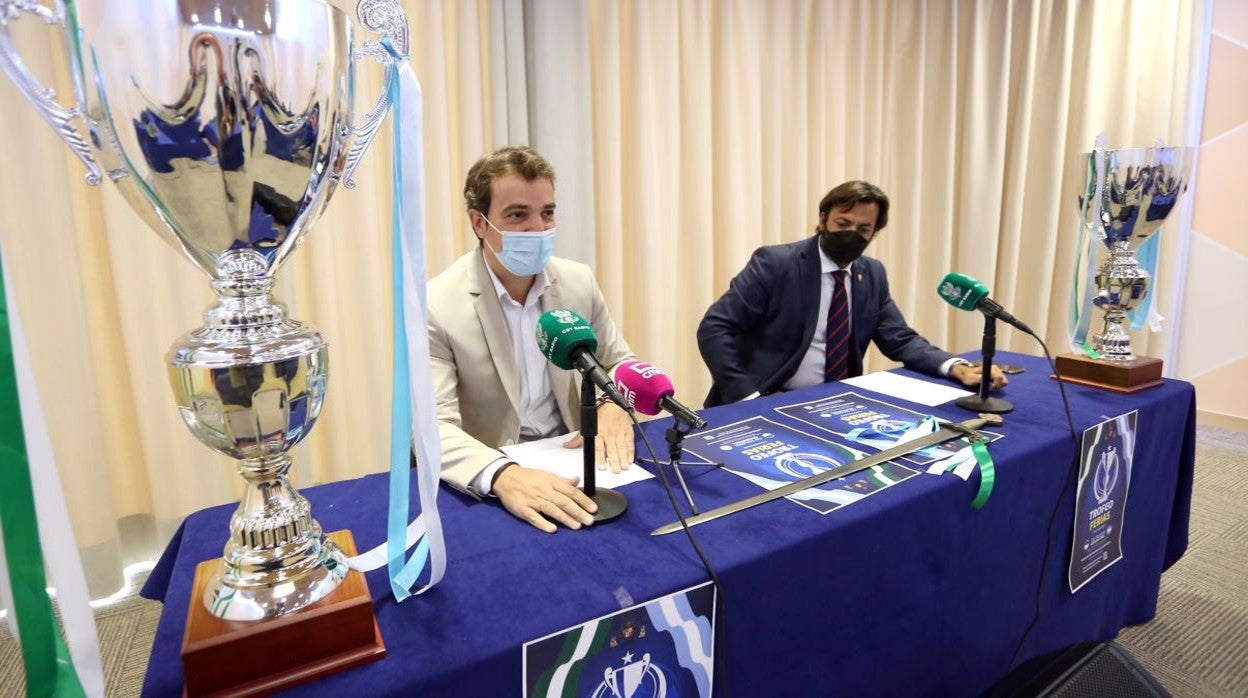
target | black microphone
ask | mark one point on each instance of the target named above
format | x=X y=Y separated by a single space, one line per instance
x=568 y=341
x=965 y=293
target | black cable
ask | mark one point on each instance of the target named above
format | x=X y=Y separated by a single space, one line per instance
x=1057 y=504
x=720 y=666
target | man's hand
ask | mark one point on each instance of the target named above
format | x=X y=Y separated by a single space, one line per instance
x=537 y=497
x=969 y=376
x=613 y=447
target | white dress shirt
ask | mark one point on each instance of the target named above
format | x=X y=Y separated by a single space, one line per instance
x=539 y=413
x=810 y=370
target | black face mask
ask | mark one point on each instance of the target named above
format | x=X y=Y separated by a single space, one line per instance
x=842 y=246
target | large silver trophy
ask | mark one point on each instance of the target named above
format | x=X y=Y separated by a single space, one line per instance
x=227 y=125
x=1128 y=195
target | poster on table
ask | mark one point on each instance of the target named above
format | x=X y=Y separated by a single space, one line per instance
x=772 y=455
x=863 y=421
x=661 y=649
x=1105 y=459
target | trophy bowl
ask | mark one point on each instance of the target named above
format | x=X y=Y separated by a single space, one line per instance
x=1128 y=196
x=228 y=126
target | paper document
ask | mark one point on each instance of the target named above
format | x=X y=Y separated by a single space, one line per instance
x=550 y=455
x=906 y=388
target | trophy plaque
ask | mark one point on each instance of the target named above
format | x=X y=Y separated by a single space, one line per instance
x=228 y=126
x=1129 y=195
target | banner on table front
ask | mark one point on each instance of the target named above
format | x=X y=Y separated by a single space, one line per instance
x=1105 y=459
x=661 y=649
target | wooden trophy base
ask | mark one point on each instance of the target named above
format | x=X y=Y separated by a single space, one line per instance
x=1119 y=376
x=243 y=658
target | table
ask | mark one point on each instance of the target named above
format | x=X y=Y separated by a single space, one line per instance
x=907 y=592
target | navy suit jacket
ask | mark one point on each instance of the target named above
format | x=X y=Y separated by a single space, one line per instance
x=754 y=337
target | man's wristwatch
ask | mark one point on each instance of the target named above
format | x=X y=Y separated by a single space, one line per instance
x=499 y=472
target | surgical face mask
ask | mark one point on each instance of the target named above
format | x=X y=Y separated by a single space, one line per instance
x=842 y=246
x=523 y=254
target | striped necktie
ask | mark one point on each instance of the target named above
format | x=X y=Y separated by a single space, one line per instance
x=837 y=345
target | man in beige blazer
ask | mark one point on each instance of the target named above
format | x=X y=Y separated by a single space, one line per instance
x=492 y=384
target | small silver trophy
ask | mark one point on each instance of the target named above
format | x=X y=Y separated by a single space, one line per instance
x=1128 y=195
x=1136 y=189
x=227 y=126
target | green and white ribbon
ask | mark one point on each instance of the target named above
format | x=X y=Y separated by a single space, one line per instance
x=963 y=463
x=1091 y=234
x=987 y=474
x=31 y=502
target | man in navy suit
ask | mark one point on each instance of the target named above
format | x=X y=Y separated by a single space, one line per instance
x=803 y=313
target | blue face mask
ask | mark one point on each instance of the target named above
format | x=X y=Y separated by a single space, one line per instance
x=524 y=254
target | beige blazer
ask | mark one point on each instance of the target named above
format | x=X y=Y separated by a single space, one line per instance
x=475 y=379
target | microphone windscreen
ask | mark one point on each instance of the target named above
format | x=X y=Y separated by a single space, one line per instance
x=560 y=332
x=961 y=291
x=643 y=386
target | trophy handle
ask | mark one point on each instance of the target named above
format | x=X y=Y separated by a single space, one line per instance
x=384 y=17
x=42 y=98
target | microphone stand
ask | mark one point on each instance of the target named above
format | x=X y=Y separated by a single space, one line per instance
x=981 y=402
x=611 y=504
x=675 y=437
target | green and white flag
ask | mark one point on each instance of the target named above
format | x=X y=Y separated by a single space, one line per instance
x=579 y=643
x=36 y=534
x=663 y=648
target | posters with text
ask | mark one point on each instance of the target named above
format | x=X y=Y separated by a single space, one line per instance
x=772 y=455
x=862 y=421
x=1105 y=459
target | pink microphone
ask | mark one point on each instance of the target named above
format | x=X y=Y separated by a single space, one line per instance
x=649 y=391
x=643 y=386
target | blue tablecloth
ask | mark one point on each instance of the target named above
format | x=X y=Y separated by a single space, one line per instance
x=907 y=592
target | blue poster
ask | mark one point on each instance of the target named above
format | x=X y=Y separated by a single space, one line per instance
x=862 y=421
x=772 y=455
x=1105 y=459
x=661 y=649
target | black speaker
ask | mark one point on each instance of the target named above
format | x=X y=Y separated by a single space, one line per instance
x=1083 y=670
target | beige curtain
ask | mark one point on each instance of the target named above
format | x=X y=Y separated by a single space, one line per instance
x=719 y=124
x=714 y=127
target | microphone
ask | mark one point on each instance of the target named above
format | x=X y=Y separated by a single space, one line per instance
x=650 y=391
x=568 y=341
x=965 y=293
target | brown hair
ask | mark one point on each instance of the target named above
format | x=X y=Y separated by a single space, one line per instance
x=851 y=193
x=520 y=159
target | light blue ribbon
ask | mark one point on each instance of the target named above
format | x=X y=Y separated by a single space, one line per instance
x=1147 y=257
x=400 y=394
x=404 y=575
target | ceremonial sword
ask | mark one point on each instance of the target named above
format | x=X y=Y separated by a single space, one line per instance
x=947 y=431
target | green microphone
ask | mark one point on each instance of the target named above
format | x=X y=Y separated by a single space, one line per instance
x=568 y=341
x=961 y=291
x=965 y=293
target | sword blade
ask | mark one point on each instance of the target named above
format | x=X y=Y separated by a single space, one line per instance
x=939 y=436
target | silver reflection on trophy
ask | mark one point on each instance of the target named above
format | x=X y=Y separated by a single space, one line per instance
x=1139 y=190
x=227 y=126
